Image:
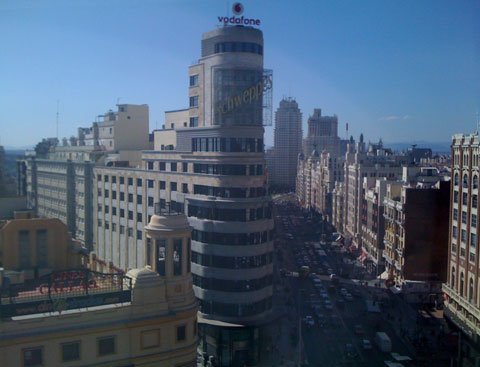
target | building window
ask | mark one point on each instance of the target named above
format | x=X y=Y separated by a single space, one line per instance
x=472 y=257
x=70 y=351
x=464 y=198
x=173 y=167
x=189 y=256
x=455 y=181
x=465 y=181
x=114 y=179
x=106 y=346
x=464 y=217
x=122 y=196
x=139 y=182
x=130 y=232
x=24 y=242
x=150 y=201
x=33 y=357
x=185 y=167
x=150 y=166
x=122 y=213
x=455 y=196
x=99 y=177
x=463 y=237
x=107 y=209
x=474 y=201
x=139 y=235
x=130 y=198
x=42 y=248
x=150 y=184
x=473 y=240
x=130 y=215
x=106 y=193
x=160 y=244
x=194 y=121
x=99 y=223
x=454 y=232
x=114 y=195
x=162 y=185
x=185 y=188
x=99 y=192
x=194 y=80
x=107 y=225
x=194 y=101
x=475 y=182
x=139 y=217
x=173 y=186
x=455 y=214
x=474 y=221
x=106 y=178
x=122 y=229
x=181 y=333
x=162 y=166
x=177 y=257
x=114 y=227
x=130 y=181
x=139 y=199
x=453 y=278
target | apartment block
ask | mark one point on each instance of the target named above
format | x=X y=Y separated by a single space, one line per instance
x=416 y=225
x=462 y=287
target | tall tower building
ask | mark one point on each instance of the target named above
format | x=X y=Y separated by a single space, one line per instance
x=208 y=163
x=322 y=135
x=288 y=142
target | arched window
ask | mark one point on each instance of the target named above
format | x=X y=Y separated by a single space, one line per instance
x=453 y=277
x=475 y=182
x=470 y=291
x=455 y=181
x=465 y=180
x=462 y=283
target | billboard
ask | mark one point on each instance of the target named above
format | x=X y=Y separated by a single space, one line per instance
x=64 y=290
x=242 y=97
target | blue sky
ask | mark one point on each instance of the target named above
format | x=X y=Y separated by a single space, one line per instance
x=400 y=70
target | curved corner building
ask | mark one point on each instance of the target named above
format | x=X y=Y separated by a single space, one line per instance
x=231 y=211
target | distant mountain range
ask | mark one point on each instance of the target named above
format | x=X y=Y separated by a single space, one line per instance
x=435 y=146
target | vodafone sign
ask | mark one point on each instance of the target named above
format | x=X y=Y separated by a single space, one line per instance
x=237 y=10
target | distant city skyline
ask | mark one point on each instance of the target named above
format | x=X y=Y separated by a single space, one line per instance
x=403 y=72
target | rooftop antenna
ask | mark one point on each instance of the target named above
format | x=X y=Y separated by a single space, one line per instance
x=58 y=103
x=478 y=123
x=118 y=100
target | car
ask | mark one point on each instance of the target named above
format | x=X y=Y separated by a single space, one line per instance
x=350 y=351
x=358 y=329
x=366 y=344
x=308 y=320
x=348 y=297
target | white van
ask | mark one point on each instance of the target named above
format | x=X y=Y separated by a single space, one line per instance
x=383 y=342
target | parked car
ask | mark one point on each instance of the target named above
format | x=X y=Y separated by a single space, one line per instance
x=366 y=345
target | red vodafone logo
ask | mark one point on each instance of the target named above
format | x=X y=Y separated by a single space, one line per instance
x=237 y=8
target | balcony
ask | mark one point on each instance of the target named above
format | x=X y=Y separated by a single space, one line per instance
x=457 y=312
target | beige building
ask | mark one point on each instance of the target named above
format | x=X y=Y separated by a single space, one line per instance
x=373 y=224
x=59 y=183
x=377 y=163
x=31 y=247
x=462 y=288
x=146 y=318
